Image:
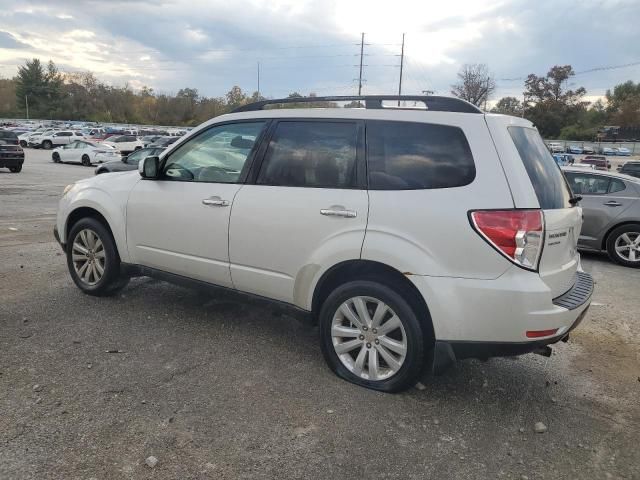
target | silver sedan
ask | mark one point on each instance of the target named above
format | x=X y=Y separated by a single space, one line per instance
x=611 y=209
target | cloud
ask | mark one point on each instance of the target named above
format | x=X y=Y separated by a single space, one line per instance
x=313 y=45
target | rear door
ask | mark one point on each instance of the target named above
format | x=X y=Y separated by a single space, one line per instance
x=537 y=182
x=306 y=209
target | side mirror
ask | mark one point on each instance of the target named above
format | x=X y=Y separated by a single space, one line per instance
x=124 y=158
x=149 y=167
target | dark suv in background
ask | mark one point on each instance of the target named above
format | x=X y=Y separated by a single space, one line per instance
x=630 y=168
x=11 y=153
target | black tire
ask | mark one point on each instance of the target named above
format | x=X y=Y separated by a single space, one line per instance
x=23 y=143
x=47 y=144
x=56 y=157
x=632 y=231
x=86 y=161
x=412 y=367
x=137 y=148
x=16 y=169
x=112 y=280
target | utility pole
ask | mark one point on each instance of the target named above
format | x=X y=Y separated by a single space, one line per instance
x=258 y=80
x=401 y=65
x=26 y=103
x=361 y=57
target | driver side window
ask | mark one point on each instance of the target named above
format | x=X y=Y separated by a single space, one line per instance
x=217 y=155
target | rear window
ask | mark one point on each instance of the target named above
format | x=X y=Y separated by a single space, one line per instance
x=412 y=156
x=5 y=134
x=548 y=182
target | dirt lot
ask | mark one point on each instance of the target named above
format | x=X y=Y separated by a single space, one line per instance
x=218 y=389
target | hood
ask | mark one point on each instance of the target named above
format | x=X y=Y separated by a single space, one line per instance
x=111 y=182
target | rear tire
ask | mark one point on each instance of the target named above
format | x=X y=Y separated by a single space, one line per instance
x=86 y=161
x=23 y=143
x=17 y=169
x=93 y=260
x=384 y=356
x=47 y=144
x=623 y=245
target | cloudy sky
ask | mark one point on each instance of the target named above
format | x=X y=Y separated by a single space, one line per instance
x=313 y=45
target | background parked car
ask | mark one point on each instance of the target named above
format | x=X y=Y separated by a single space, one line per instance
x=586 y=149
x=576 y=149
x=599 y=162
x=130 y=162
x=555 y=147
x=630 y=168
x=624 y=152
x=611 y=209
x=124 y=143
x=11 y=153
x=57 y=137
x=84 y=152
x=607 y=151
x=163 y=142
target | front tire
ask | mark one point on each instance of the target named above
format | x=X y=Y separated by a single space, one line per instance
x=16 y=169
x=623 y=245
x=93 y=260
x=47 y=144
x=371 y=336
x=86 y=161
x=55 y=157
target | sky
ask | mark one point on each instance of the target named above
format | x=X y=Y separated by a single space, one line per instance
x=314 y=45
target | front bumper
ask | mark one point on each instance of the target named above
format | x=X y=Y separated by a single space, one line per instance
x=57 y=237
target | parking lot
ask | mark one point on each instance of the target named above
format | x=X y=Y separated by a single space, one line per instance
x=91 y=387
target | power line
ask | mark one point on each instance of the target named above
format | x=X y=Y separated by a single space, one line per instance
x=582 y=72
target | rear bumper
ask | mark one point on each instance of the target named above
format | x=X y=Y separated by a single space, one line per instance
x=565 y=314
x=11 y=161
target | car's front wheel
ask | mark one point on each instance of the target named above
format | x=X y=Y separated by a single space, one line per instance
x=47 y=144
x=86 y=161
x=371 y=336
x=93 y=260
x=623 y=245
x=55 y=157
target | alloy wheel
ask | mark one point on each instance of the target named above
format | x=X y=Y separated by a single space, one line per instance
x=628 y=246
x=369 y=338
x=88 y=256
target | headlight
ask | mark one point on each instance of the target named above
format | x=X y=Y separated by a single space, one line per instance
x=67 y=189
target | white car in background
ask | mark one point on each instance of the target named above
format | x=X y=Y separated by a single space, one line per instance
x=53 y=138
x=124 y=143
x=556 y=147
x=85 y=152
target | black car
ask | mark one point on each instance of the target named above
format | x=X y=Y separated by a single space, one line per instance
x=163 y=142
x=631 y=168
x=129 y=162
x=11 y=153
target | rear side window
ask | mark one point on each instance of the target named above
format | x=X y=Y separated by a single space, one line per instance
x=545 y=175
x=311 y=154
x=412 y=156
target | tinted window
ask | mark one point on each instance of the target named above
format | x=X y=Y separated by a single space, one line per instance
x=545 y=175
x=407 y=156
x=218 y=154
x=311 y=154
x=7 y=134
x=616 y=185
x=585 y=184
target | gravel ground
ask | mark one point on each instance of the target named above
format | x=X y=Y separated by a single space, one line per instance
x=213 y=388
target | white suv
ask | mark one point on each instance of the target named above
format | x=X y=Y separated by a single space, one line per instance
x=414 y=237
x=49 y=139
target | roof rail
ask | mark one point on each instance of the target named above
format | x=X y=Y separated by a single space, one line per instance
x=433 y=103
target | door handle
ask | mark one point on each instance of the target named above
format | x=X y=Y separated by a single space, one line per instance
x=612 y=203
x=338 y=211
x=215 y=202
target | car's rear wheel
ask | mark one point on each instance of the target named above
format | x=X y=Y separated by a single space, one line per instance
x=86 y=161
x=93 y=260
x=623 y=245
x=371 y=336
x=16 y=169
x=23 y=143
x=47 y=144
x=55 y=157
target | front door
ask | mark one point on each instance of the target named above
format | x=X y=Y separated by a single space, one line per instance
x=180 y=222
x=306 y=210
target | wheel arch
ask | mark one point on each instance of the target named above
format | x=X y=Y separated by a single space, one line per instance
x=605 y=237
x=350 y=270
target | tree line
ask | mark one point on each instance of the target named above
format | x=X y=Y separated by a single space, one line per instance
x=557 y=111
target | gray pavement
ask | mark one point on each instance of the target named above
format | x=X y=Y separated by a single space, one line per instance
x=217 y=389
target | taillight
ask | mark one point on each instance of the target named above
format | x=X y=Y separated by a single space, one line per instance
x=517 y=234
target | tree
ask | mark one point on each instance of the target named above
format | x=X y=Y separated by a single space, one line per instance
x=475 y=84
x=508 y=106
x=624 y=104
x=551 y=106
